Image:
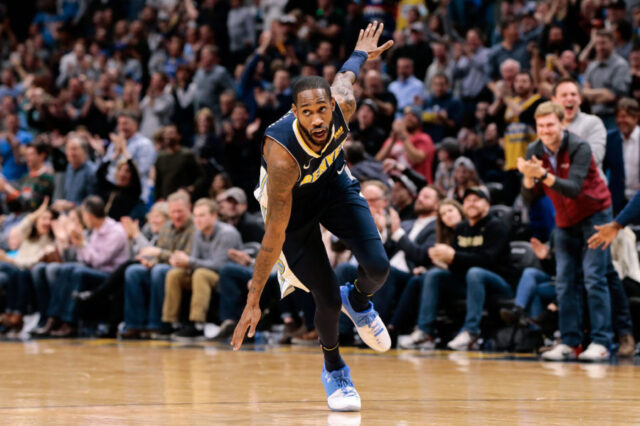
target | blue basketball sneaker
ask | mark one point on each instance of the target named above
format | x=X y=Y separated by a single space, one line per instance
x=370 y=327
x=341 y=394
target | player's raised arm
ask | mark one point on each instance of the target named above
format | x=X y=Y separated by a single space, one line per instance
x=366 y=48
x=283 y=173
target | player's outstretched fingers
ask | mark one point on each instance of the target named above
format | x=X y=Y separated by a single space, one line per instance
x=238 y=334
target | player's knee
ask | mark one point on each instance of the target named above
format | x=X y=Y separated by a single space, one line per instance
x=377 y=269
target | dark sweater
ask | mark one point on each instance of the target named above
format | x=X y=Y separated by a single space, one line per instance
x=484 y=245
x=175 y=171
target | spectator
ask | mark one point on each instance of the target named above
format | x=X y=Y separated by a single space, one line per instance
x=403 y=195
x=37 y=241
x=176 y=167
x=12 y=141
x=9 y=86
x=465 y=176
x=470 y=64
x=70 y=63
x=121 y=198
x=622 y=33
x=184 y=93
x=478 y=257
x=101 y=254
x=581 y=200
x=588 y=127
x=157 y=105
x=373 y=89
x=606 y=78
x=175 y=60
x=622 y=160
x=211 y=80
x=232 y=209
x=148 y=277
x=362 y=165
x=80 y=176
x=448 y=151
x=212 y=240
x=409 y=144
x=515 y=113
x=32 y=189
x=206 y=144
x=407 y=89
x=241 y=151
x=511 y=47
x=242 y=30
x=442 y=111
x=129 y=142
x=366 y=130
x=441 y=64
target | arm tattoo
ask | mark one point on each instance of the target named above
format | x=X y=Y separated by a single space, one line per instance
x=283 y=174
x=342 y=90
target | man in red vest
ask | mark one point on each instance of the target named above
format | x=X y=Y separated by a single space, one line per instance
x=561 y=165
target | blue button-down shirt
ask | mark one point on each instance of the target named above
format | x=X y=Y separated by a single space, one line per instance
x=405 y=91
x=80 y=183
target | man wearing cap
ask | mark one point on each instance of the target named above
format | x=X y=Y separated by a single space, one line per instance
x=366 y=130
x=561 y=165
x=409 y=144
x=479 y=260
x=403 y=194
x=232 y=209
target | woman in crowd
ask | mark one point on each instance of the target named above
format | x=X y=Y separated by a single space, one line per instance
x=44 y=275
x=121 y=198
x=38 y=243
x=450 y=214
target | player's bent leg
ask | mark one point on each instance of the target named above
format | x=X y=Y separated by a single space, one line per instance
x=368 y=323
x=341 y=393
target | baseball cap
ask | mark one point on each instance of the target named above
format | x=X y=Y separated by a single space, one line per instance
x=237 y=194
x=371 y=104
x=480 y=191
x=415 y=110
x=406 y=182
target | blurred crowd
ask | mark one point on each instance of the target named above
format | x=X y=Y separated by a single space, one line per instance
x=131 y=142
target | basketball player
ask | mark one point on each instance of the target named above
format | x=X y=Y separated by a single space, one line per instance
x=305 y=183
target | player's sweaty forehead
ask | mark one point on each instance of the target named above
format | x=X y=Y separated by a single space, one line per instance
x=312 y=97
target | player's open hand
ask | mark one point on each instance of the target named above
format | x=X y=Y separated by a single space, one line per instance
x=605 y=235
x=368 y=40
x=249 y=320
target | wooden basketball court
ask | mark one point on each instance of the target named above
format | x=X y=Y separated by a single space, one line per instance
x=111 y=382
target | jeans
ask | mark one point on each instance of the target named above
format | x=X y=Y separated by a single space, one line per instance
x=41 y=287
x=480 y=282
x=138 y=282
x=84 y=278
x=620 y=311
x=232 y=286
x=527 y=295
x=573 y=254
x=18 y=287
x=405 y=314
x=437 y=281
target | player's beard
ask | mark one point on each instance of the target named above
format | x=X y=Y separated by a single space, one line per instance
x=314 y=141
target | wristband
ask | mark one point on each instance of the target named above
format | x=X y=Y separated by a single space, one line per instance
x=355 y=61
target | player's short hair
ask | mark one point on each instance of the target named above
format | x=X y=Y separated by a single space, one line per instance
x=310 y=83
x=95 y=206
x=549 y=107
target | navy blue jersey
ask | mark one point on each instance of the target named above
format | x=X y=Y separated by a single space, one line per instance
x=315 y=169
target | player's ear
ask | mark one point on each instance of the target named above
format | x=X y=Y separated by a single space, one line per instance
x=333 y=103
x=294 y=110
